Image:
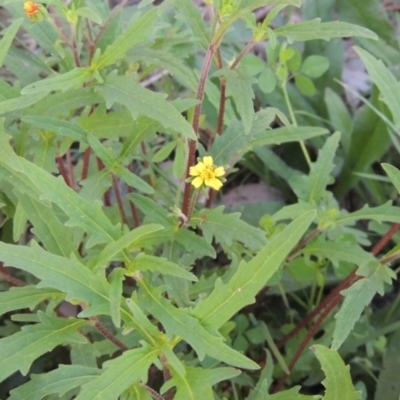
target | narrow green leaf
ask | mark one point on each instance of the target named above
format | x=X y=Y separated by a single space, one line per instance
x=133 y=35
x=69 y=80
x=314 y=29
x=141 y=101
x=145 y=262
x=287 y=134
x=384 y=79
x=357 y=297
x=17 y=298
x=227 y=299
x=292 y=394
x=130 y=240
x=394 y=174
x=20 y=102
x=227 y=228
x=338 y=382
x=119 y=374
x=116 y=279
x=18 y=351
x=57 y=382
x=197 y=383
x=178 y=322
x=8 y=36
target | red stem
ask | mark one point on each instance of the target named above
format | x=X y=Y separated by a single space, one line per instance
x=63 y=170
x=86 y=160
x=119 y=199
x=70 y=169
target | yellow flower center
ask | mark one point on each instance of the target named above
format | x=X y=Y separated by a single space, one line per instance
x=208 y=173
x=31 y=9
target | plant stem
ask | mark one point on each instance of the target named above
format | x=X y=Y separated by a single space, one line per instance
x=5 y=275
x=244 y=51
x=108 y=335
x=153 y=393
x=119 y=199
x=63 y=170
x=294 y=122
x=86 y=160
x=390 y=259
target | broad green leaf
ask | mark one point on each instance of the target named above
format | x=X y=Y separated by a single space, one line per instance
x=17 y=298
x=227 y=299
x=178 y=322
x=133 y=35
x=18 y=351
x=387 y=84
x=52 y=233
x=69 y=276
x=119 y=374
x=141 y=101
x=239 y=86
x=314 y=29
x=357 y=297
x=144 y=262
x=321 y=170
x=197 y=383
x=305 y=85
x=116 y=279
x=20 y=102
x=338 y=382
x=89 y=13
x=130 y=240
x=139 y=392
x=314 y=66
x=294 y=210
x=69 y=80
x=8 y=36
x=287 y=134
x=267 y=80
x=394 y=174
x=59 y=381
x=383 y=213
x=227 y=228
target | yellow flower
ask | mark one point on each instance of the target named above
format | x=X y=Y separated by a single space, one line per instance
x=206 y=173
x=31 y=9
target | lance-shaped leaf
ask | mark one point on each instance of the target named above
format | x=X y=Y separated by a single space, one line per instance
x=394 y=175
x=314 y=29
x=18 y=351
x=338 y=382
x=287 y=134
x=57 y=382
x=70 y=80
x=119 y=374
x=116 y=279
x=141 y=101
x=291 y=394
x=357 y=297
x=227 y=299
x=17 y=298
x=197 y=383
x=20 y=102
x=178 y=322
x=227 y=228
x=385 y=80
x=383 y=213
x=8 y=36
x=27 y=177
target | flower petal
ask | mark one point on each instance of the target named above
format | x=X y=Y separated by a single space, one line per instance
x=197 y=182
x=208 y=161
x=214 y=183
x=220 y=171
x=194 y=171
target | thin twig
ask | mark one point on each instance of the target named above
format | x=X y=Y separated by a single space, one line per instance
x=119 y=199
x=5 y=275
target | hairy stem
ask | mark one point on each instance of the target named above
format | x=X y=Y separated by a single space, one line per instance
x=108 y=335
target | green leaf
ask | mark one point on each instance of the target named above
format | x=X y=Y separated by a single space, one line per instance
x=18 y=351
x=131 y=240
x=119 y=374
x=90 y=14
x=357 y=297
x=384 y=80
x=57 y=382
x=313 y=188
x=144 y=262
x=178 y=322
x=227 y=299
x=116 y=279
x=8 y=37
x=292 y=394
x=338 y=382
x=314 y=29
x=314 y=66
x=20 y=102
x=383 y=213
x=69 y=80
x=227 y=228
x=17 y=298
x=267 y=80
x=287 y=134
x=133 y=35
x=394 y=174
x=196 y=383
x=305 y=85
x=239 y=86
x=141 y=101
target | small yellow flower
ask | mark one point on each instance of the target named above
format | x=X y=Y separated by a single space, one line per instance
x=206 y=173
x=31 y=9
